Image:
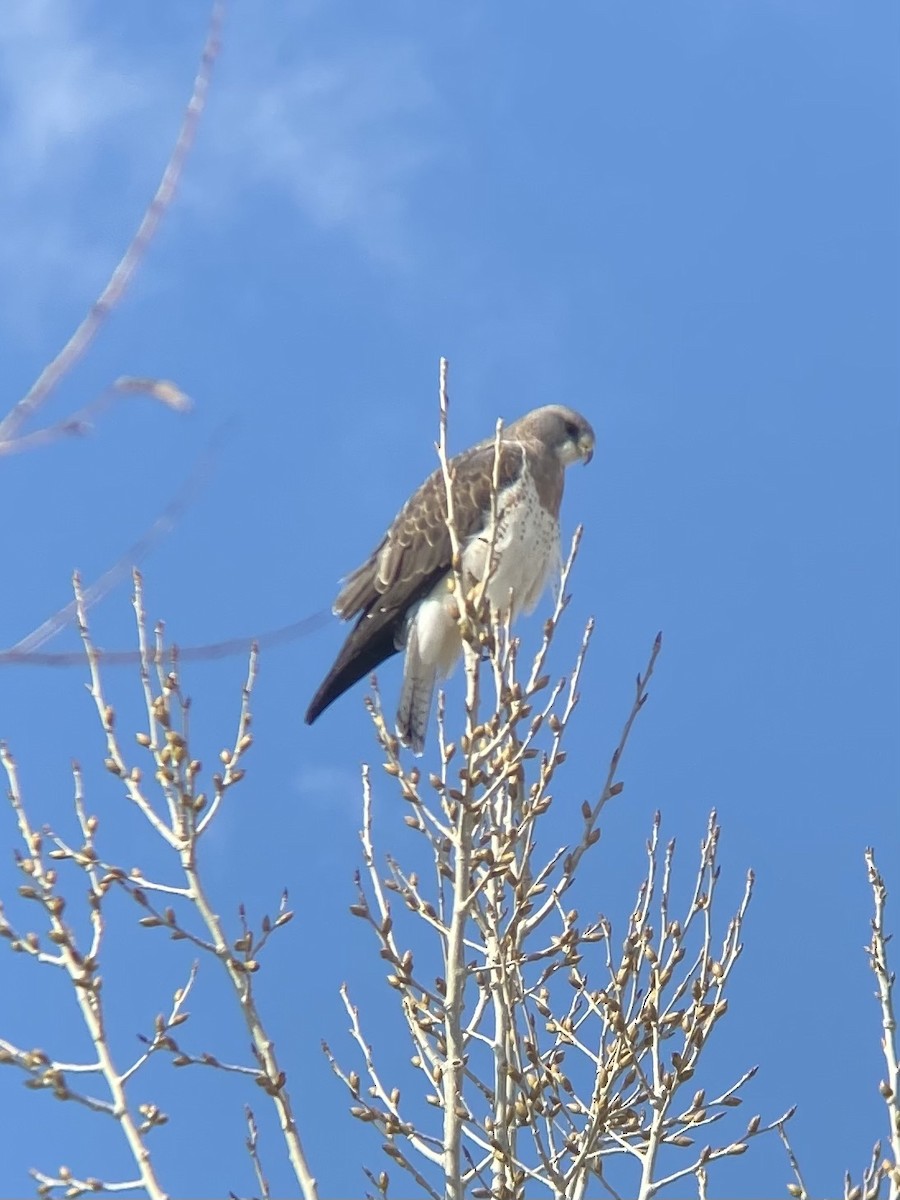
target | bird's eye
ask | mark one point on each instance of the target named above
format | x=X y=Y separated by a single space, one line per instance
x=572 y=430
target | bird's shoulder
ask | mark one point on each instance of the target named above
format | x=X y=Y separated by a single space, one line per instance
x=472 y=472
x=416 y=551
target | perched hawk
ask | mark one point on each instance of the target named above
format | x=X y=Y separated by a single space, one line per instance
x=400 y=596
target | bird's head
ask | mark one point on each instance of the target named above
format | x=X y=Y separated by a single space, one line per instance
x=564 y=431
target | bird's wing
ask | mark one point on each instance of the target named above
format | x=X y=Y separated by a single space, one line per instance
x=413 y=555
x=416 y=548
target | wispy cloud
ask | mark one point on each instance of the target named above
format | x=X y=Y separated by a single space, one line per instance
x=59 y=94
x=329 y=787
x=66 y=101
x=343 y=134
x=342 y=129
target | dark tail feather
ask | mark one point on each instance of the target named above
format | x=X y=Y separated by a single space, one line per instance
x=415 y=698
x=362 y=652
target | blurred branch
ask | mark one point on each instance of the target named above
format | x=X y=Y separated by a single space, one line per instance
x=121 y=277
x=79 y=423
x=173 y=653
x=24 y=650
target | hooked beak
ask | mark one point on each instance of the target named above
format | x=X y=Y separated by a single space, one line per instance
x=586 y=447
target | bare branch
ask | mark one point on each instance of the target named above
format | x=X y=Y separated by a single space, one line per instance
x=86 y=989
x=885 y=979
x=124 y=272
x=79 y=424
x=164 y=523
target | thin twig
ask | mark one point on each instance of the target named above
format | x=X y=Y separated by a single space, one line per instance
x=79 y=424
x=95 y=592
x=798 y=1189
x=252 y=1144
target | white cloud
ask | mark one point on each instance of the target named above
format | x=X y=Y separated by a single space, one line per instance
x=329 y=787
x=58 y=93
x=87 y=118
x=342 y=134
x=65 y=102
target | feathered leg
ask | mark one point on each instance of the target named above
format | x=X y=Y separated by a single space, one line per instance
x=415 y=696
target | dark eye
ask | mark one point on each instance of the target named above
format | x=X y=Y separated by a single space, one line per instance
x=572 y=430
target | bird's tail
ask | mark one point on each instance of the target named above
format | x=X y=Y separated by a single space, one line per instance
x=415 y=697
x=371 y=641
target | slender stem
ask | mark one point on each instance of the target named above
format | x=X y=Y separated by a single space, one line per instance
x=454 y=1071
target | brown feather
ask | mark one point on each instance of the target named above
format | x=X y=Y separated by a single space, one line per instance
x=410 y=559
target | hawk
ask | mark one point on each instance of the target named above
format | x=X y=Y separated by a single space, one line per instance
x=400 y=595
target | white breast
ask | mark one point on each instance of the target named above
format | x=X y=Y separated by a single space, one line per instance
x=526 y=550
x=525 y=556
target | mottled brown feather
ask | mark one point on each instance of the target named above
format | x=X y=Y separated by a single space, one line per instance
x=417 y=543
x=412 y=556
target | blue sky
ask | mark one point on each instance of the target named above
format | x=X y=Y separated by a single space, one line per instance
x=683 y=220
